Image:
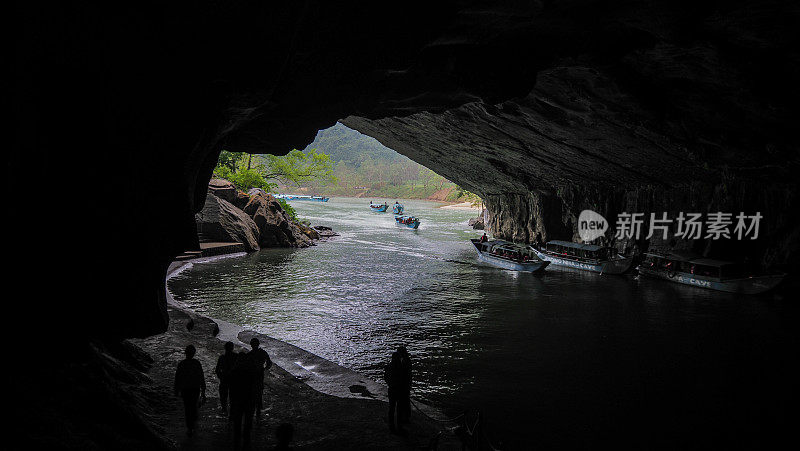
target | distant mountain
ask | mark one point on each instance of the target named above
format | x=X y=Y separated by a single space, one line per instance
x=342 y=143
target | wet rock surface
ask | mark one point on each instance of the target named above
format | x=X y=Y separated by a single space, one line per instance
x=325 y=232
x=477 y=223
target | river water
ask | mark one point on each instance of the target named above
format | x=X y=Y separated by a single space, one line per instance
x=562 y=359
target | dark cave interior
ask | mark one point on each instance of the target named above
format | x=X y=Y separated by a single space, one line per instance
x=544 y=108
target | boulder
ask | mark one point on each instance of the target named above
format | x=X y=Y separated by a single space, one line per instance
x=275 y=227
x=223 y=189
x=477 y=223
x=325 y=232
x=222 y=221
x=241 y=200
x=309 y=232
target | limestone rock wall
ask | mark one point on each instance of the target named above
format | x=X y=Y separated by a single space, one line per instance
x=544 y=216
x=219 y=220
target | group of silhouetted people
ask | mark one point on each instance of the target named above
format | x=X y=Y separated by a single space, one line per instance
x=241 y=381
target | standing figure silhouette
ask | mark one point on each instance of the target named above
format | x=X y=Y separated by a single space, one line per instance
x=190 y=385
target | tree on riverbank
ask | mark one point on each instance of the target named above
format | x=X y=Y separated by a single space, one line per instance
x=341 y=162
x=247 y=171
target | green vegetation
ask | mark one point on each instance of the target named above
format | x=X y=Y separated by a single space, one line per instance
x=248 y=171
x=340 y=162
x=290 y=211
x=364 y=167
x=300 y=168
x=256 y=171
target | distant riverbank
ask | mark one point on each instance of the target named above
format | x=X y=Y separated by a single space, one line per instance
x=450 y=194
x=463 y=206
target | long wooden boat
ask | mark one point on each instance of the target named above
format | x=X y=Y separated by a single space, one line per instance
x=378 y=208
x=302 y=197
x=508 y=255
x=708 y=273
x=407 y=221
x=588 y=257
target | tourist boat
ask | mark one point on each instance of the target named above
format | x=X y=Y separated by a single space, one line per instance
x=379 y=208
x=302 y=197
x=588 y=257
x=508 y=255
x=708 y=273
x=398 y=208
x=407 y=221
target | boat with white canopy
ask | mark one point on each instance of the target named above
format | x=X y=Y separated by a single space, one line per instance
x=588 y=257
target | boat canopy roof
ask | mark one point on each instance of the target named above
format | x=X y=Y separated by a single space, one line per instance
x=583 y=247
x=509 y=246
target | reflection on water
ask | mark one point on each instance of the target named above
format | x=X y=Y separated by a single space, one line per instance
x=571 y=356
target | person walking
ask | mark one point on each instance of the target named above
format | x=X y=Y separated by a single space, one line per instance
x=190 y=385
x=262 y=363
x=223 y=369
x=242 y=386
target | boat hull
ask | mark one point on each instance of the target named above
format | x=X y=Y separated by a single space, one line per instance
x=307 y=198
x=414 y=225
x=748 y=285
x=381 y=209
x=616 y=266
x=509 y=264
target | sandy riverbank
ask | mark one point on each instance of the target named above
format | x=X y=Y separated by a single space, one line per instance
x=463 y=206
x=331 y=407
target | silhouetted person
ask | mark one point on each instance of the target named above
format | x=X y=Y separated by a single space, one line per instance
x=242 y=386
x=484 y=238
x=223 y=369
x=398 y=377
x=404 y=403
x=190 y=384
x=262 y=363
x=284 y=433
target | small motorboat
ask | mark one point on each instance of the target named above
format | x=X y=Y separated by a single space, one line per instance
x=398 y=208
x=407 y=221
x=588 y=257
x=508 y=255
x=708 y=273
x=379 y=208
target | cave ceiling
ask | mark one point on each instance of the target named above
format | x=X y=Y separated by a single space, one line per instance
x=517 y=97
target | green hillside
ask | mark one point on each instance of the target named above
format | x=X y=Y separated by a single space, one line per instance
x=365 y=167
x=342 y=143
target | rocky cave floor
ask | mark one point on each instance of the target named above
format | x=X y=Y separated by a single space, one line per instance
x=320 y=421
